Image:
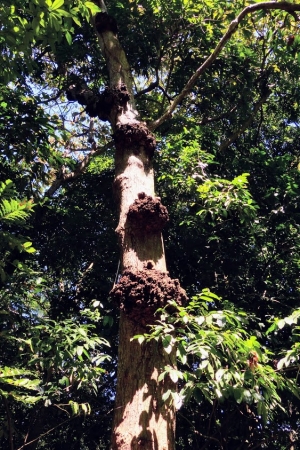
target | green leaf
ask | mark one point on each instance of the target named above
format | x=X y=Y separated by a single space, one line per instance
x=198 y=395
x=173 y=375
x=238 y=394
x=92 y=7
x=166 y=395
x=281 y=363
x=167 y=343
x=27 y=244
x=76 y=20
x=79 y=350
x=30 y=250
x=74 y=407
x=57 y=4
x=281 y=324
x=219 y=374
x=261 y=409
x=64 y=13
x=108 y=320
x=68 y=37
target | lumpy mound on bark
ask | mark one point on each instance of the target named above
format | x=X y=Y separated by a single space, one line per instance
x=147 y=214
x=99 y=105
x=141 y=293
x=135 y=135
x=110 y=98
x=104 y=22
x=79 y=92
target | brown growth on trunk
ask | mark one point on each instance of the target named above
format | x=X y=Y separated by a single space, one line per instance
x=141 y=293
x=104 y=22
x=103 y=104
x=147 y=214
x=110 y=100
x=135 y=136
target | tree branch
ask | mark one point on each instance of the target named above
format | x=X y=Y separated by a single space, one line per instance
x=102 y=6
x=150 y=88
x=44 y=434
x=51 y=99
x=67 y=177
x=166 y=95
x=247 y=122
x=284 y=6
x=209 y=438
x=9 y=424
x=216 y=118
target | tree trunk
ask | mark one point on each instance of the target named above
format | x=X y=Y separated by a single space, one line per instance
x=141 y=420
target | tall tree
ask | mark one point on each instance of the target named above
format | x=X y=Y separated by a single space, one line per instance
x=142 y=419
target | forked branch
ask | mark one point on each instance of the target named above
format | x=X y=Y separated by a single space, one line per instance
x=218 y=117
x=247 y=122
x=283 y=6
x=70 y=176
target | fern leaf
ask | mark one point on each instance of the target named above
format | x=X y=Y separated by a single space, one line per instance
x=7 y=189
x=12 y=210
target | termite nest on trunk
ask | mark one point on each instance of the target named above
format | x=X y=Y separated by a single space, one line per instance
x=139 y=294
x=135 y=136
x=147 y=214
x=99 y=104
x=80 y=92
x=110 y=99
x=104 y=22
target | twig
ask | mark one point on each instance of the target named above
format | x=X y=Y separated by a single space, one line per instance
x=44 y=434
x=66 y=177
x=198 y=432
x=166 y=95
x=246 y=124
x=285 y=6
x=51 y=99
x=216 y=118
x=147 y=89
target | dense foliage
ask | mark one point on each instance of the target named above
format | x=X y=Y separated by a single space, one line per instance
x=228 y=169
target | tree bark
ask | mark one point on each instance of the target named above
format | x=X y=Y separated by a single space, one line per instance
x=9 y=424
x=141 y=419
